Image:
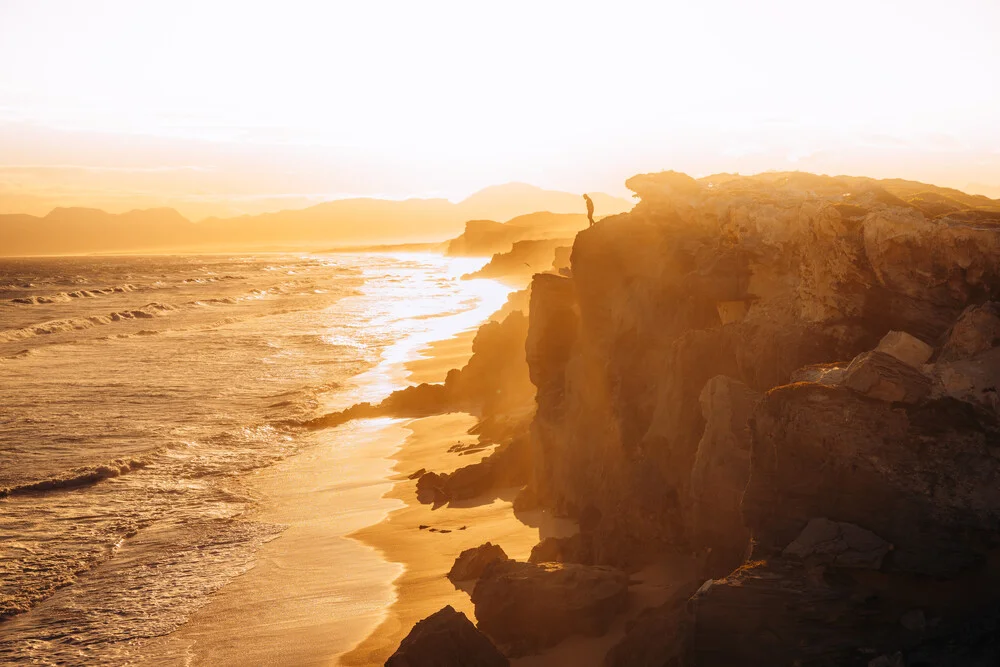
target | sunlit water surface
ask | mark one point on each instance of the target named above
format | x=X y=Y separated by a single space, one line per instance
x=136 y=392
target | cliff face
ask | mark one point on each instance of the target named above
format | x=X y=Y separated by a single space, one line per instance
x=750 y=278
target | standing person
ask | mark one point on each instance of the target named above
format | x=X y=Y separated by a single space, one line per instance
x=590 y=209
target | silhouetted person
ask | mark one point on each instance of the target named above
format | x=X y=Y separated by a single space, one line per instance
x=590 y=209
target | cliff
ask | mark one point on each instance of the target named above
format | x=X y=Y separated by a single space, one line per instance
x=792 y=369
x=486 y=237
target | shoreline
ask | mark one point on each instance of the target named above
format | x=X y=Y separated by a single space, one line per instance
x=316 y=591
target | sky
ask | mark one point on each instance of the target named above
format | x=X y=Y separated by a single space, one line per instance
x=235 y=105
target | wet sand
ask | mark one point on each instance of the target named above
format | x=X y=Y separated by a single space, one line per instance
x=314 y=592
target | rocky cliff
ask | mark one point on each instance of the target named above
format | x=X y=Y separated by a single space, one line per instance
x=795 y=369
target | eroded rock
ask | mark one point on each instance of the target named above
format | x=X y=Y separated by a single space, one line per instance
x=883 y=376
x=922 y=477
x=977 y=330
x=471 y=563
x=839 y=544
x=446 y=638
x=527 y=607
x=906 y=348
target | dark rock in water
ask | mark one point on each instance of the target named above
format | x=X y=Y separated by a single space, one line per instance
x=922 y=477
x=883 y=376
x=446 y=638
x=526 y=608
x=471 y=562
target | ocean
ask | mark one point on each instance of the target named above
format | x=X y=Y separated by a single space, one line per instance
x=137 y=393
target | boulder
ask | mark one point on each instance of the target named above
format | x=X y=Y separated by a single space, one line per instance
x=446 y=638
x=975 y=380
x=977 y=330
x=838 y=544
x=767 y=614
x=886 y=378
x=526 y=607
x=430 y=489
x=906 y=348
x=471 y=562
x=572 y=549
x=922 y=477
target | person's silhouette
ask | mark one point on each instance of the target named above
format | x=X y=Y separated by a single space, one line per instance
x=590 y=209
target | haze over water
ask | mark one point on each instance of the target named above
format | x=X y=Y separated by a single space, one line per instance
x=138 y=394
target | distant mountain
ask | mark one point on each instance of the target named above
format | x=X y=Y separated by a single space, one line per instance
x=341 y=223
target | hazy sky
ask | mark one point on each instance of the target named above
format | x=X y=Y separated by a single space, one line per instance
x=240 y=100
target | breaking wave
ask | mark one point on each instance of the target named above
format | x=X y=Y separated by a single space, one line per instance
x=77 y=477
x=63 y=297
x=148 y=311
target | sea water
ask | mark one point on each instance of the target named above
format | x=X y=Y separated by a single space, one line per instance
x=135 y=394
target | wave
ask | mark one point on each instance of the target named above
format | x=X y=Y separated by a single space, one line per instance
x=148 y=311
x=77 y=477
x=64 y=297
x=211 y=279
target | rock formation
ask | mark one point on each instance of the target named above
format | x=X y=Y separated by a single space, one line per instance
x=793 y=377
x=446 y=638
x=803 y=365
x=527 y=607
x=471 y=563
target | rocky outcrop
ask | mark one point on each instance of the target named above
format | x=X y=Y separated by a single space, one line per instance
x=526 y=607
x=752 y=278
x=446 y=638
x=886 y=378
x=524 y=259
x=509 y=465
x=802 y=363
x=838 y=544
x=922 y=477
x=471 y=563
x=486 y=237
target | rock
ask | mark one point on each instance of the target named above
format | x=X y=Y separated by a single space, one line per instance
x=895 y=660
x=573 y=549
x=526 y=500
x=838 y=544
x=721 y=470
x=975 y=380
x=657 y=637
x=977 y=330
x=922 y=477
x=906 y=348
x=430 y=489
x=933 y=268
x=769 y=613
x=526 y=608
x=886 y=378
x=446 y=638
x=828 y=374
x=471 y=562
